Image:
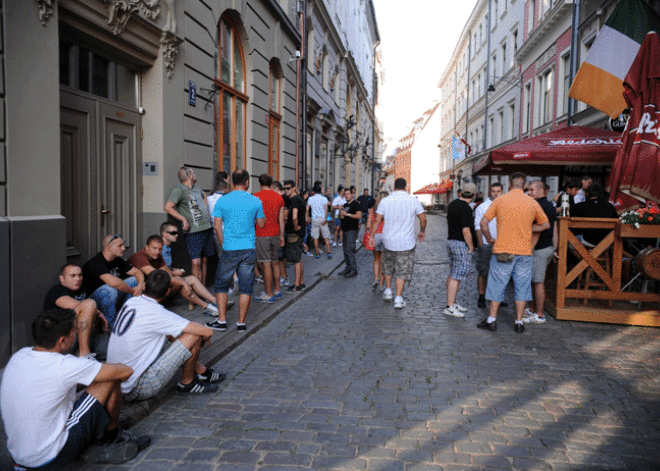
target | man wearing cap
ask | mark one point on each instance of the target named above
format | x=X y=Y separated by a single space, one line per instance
x=459 y=246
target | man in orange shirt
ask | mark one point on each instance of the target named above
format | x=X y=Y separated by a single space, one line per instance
x=516 y=214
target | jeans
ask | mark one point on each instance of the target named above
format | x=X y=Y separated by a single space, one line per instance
x=240 y=262
x=349 y=250
x=109 y=300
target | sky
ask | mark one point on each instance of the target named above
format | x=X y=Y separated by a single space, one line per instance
x=418 y=38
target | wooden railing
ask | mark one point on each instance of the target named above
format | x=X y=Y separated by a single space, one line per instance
x=588 y=265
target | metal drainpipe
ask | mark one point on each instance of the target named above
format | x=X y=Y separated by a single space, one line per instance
x=574 y=56
x=303 y=96
x=467 y=103
x=487 y=78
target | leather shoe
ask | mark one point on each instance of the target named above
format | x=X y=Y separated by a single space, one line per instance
x=503 y=304
x=519 y=328
x=350 y=274
x=485 y=325
x=481 y=303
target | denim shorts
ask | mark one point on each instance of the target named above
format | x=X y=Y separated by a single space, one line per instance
x=242 y=263
x=200 y=244
x=459 y=259
x=520 y=269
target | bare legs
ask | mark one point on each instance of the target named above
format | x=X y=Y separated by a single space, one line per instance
x=452 y=290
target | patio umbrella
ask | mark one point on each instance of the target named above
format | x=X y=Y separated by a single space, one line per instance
x=635 y=174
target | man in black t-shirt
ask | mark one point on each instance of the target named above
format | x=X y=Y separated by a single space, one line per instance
x=295 y=232
x=110 y=280
x=70 y=294
x=459 y=246
x=277 y=186
x=350 y=225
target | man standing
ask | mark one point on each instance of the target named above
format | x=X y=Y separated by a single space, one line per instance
x=319 y=205
x=512 y=252
x=399 y=211
x=337 y=205
x=235 y=216
x=544 y=251
x=138 y=338
x=270 y=239
x=459 y=246
x=581 y=196
x=350 y=225
x=70 y=294
x=281 y=256
x=46 y=426
x=295 y=232
x=485 y=249
x=149 y=259
x=109 y=279
x=366 y=203
x=187 y=203
x=170 y=233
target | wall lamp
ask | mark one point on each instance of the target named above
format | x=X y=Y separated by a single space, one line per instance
x=515 y=81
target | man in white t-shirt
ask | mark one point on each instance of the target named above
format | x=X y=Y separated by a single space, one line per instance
x=399 y=211
x=485 y=250
x=46 y=426
x=337 y=205
x=138 y=338
x=319 y=205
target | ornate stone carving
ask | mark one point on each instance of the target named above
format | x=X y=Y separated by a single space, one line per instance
x=45 y=10
x=170 y=43
x=120 y=11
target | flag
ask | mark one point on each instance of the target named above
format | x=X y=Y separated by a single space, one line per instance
x=457 y=149
x=599 y=82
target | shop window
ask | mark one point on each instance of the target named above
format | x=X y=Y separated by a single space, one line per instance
x=274 y=120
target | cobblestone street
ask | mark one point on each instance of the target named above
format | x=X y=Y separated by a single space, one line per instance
x=342 y=380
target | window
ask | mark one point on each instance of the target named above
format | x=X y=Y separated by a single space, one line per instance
x=527 y=94
x=566 y=66
x=491 y=128
x=494 y=66
x=531 y=15
x=232 y=99
x=504 y=64
x=274 y=120
x=515 y=42
x=545 y=98
x=310 y=51
x=326 y=72
x=512 y=117
x=500 y=116
x=495 y=13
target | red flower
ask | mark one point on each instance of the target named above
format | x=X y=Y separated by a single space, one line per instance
x=650 y=218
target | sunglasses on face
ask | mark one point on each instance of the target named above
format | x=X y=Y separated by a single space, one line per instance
x=287 y=188
x=172 y=232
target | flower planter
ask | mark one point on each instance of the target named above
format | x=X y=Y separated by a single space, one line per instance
x=651 y=231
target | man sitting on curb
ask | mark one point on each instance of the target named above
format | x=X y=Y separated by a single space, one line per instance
x=70 y=294
x=138 y=337
x=46 y=426
x=149 y=259
x=170 y=234
x=109 y=279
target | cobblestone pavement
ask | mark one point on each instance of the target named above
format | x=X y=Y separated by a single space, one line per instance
x=343 y=381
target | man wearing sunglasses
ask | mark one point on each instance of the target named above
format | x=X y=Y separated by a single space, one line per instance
x=110 y=279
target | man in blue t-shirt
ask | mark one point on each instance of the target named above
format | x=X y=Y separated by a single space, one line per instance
x=235 y=216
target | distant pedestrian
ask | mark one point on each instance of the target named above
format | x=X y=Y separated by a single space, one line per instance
x=399 y=211
x=281 y=256
x=187 y=203
x=545 y=250
x=366 y=203
x=350 y=224
x=485 y=250
x=221 y=186
x=378 y=241
x=337 y=205
x=512 y=252
x=295 y=232
x=318 y=205
x=459 y=246
x=235 y=216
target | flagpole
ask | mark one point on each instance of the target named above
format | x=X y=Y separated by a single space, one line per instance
x=574 y=57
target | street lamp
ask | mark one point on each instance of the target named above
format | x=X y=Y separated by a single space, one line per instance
x=511 y=81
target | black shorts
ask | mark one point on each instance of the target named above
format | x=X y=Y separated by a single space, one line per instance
x=294 y=250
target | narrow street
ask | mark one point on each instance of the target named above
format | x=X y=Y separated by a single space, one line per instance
x=342 y=380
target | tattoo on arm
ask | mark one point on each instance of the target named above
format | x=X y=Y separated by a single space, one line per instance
x=83 y=325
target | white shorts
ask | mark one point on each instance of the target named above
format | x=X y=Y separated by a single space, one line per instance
x=317 y=227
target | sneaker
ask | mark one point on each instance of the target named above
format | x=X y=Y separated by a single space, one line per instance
x=528 y=313
x=217 y=325
x=259 y=279
x=453 y=311
x=534 y=319
x=277 y=296
x=241 y=328
x=381 y=288
x=334 y=244
x=263 y=298
x=317 y=256
x=329 y=256
x=351 y=274
x=210 y=310
x=341 y=243
x=196 y=387
x=460 y=308
x=110 y=453
x=124 y=436
x=230 y=304
x=484 y=324
x=399 y=304
x=481 y=303
x=293 y=289
x=284 y=282
x=230 y=291
x=211 y=376
x=387 y=294
x=375 y=284
x=309 y=254
x=89 y=356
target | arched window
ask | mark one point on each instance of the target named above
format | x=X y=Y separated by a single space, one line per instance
x=274 y=120
x=232 y=98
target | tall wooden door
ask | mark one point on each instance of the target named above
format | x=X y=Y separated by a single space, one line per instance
x=100 y=173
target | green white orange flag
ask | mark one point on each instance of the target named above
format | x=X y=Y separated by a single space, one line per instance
x=599 y=82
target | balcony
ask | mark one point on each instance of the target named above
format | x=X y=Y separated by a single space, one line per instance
x=547 y=25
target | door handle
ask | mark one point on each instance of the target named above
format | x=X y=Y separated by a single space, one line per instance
x=103 y=213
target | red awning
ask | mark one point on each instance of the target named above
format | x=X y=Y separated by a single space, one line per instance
x=435 y=188
x=574 y=145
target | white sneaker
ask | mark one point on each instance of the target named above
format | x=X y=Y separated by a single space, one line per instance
x=387 y=294
x=460 y=308
x=334 y=244
x=211 y=310
x=399 y=304
x=528 y=313
x=89 y=356
x=341 y=243
x=534 y=319
x=453 y=311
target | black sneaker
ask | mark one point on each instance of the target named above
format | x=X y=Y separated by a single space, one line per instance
x=217 y=325
x=481 y=303
x=485 y=325
x=110 y=453
x=295 y=289
x=241 y=328
x=211 y=376
x=350 y=274
x=196 y=387
x=126 y=436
